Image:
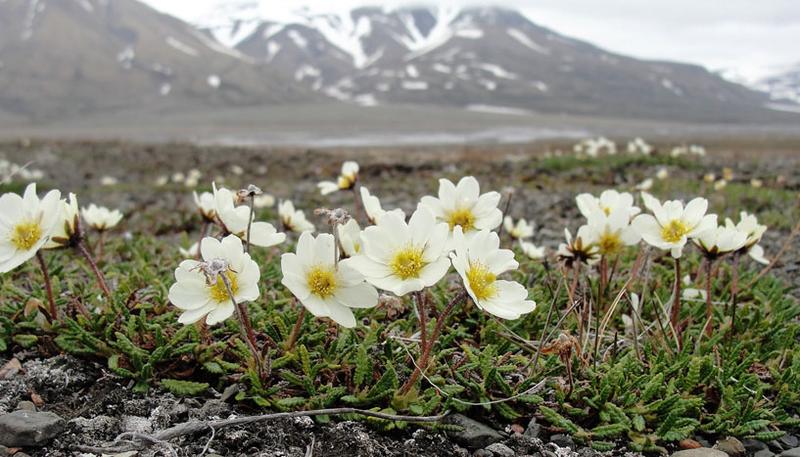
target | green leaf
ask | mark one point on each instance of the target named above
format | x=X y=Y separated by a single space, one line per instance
x=26 y=341
x=184 y=388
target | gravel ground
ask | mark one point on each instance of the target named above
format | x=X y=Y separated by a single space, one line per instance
x=96 y=407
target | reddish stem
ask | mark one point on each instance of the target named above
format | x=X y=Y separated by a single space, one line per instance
x=296 y=329
x=48 y=286
x=101 y=280
x=709 y=307
x=426 y=352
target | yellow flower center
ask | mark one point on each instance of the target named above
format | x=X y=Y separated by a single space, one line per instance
x=674 y=231
x=609 y=243
x=481 y=281
x=462 y=217
x=219 y=292
x=321 y=281
x=407 y=263
x=346 y=182
x=25 y=235
x=606 y=210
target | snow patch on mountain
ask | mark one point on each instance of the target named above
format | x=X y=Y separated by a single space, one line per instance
x=520 y=36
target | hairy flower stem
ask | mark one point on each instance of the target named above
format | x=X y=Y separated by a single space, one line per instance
x=296 y=329
x=675 y=313
x=709 y=307
x=358 y=203
x=505 y=212
x=424 y=358
x=101 y=280
x=48 y=287
x=336 y=247
x=101 y=245
x=535 y=360
x=423 y=320
x=576 y=273
x=244 y=324
x=251 y=203
x=203 y=233
x=734 y=292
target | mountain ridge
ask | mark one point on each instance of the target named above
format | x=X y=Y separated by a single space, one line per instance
x=63 y=58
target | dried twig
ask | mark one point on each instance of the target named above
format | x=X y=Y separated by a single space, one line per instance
x=192 y=427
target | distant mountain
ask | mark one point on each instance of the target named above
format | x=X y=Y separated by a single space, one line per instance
x=478 y=58
x=784 y=86
x=61 y=58
x=66 y=58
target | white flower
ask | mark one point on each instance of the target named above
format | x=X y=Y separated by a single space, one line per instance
x=235 y=219
x=748 y=224
x=347 y=179
x=66 y=229
x=373 y=208
x=720 y=184
x=463 y=205
x=520 y=230
x=662 y=173
x=206 y=204
x=720 y=240
x=192 y=252
x=531 y=250
x=709 y=177
x=694 y=294
x=727 y=174
x=671 y=225
x=26 y=224
x=582 y=249
x=647 y=184
x=325 y=290
x=200 y=295
x=101 y=218
x=108 y=181
x=264 y=201
x=479 y=260
x=350 y=238
x=613 y=231
x=610 y=200
x=756 y=183
x=404 y=257
x=292 y=219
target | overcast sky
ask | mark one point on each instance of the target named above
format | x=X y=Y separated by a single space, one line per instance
x=751 y=37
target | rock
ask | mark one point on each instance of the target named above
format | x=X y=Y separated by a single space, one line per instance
x=474 y=434
x=136 y=424
x=700 y=452
x=790 y=453
x=483 y=453
x=29 y=428
x=4 y=452
x=501 y=450
x=562 y=440
x=753 y=446
x=731 y=446
x=533 y=429
x=26 y=406
x=775 y=446
x=789 y=441
x=689 y=444
x=763 y=453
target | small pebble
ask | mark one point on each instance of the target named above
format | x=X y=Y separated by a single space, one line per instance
x=500 y=450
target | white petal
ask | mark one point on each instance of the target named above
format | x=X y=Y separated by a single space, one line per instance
x=359 y=296
x=220 y=313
